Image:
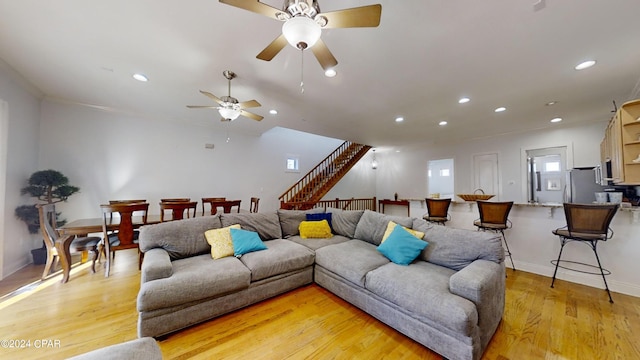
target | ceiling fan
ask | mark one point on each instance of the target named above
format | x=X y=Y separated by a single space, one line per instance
x=230 y=108
x=303 y=24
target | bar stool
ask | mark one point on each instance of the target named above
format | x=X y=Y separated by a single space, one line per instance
x=437 y=210
x=494 y=217
x=588 y=224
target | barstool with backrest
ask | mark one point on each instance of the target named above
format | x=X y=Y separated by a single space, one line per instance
x=437 y=210
x=494 y=216
x=588 y=224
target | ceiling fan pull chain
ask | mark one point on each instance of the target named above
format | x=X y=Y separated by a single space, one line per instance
x=301 y=71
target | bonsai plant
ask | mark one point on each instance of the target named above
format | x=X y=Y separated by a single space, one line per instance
x=48 y=186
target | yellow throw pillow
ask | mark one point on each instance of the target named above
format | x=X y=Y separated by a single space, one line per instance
x=392 y=225
x=315 y=229
x=220 y=241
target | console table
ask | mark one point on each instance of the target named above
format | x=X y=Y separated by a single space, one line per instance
x=383 y=202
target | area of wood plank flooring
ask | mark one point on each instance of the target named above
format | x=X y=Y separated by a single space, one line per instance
x=90 y=311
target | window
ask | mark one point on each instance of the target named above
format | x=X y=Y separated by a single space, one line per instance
x=440 y=178
x=552 y=166
x=292 y=164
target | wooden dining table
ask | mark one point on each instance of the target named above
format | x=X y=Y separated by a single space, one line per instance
x=83 y=227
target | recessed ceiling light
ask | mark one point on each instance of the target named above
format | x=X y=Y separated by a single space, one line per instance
x=585 y=64
x=399 y=119
x=140 y=77
x=500 y=109
x=550 y=103
x=273 y=112
x=555 y=120
x=330 y=73
x=464 y=100
x=442 y=123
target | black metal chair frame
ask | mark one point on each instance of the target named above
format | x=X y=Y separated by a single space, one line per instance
x=599 y=231
x=496 y=226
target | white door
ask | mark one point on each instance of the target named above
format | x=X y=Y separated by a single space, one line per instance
x=485 y=173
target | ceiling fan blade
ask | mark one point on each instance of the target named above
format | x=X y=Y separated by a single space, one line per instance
x=251 y=115
x=273 y=49
x=211 y=96
x=365 y=16
x=201 y=107
x=324 y=56
x=249 y=104
x=254 y=6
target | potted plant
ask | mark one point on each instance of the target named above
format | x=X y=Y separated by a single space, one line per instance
x=48 y=186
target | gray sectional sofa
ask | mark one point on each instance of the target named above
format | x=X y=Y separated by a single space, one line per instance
x=450 y=299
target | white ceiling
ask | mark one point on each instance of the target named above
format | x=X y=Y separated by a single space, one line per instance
x=416 y=64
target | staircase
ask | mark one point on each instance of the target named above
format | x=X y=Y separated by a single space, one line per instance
x=317 y=183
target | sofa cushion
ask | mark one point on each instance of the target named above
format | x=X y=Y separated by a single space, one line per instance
x=220 y=241
x=315 y=244
x=315 y=230
x=344 y=222
x=320 y=217
x=282 y=256
x=290 y=220
x=194 y=278
x=418 y=288
x=181 y=239
x=402 y=247
x=392 y=225
x=457 y=248
x=267 y=224
x=351 y=260
x=372 y=226
x=245 y=241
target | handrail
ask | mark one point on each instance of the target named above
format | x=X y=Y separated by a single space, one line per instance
x=343 y=204
x=321 y=174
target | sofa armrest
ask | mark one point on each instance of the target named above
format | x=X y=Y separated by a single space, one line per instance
x=156 y=265
x=483 y=283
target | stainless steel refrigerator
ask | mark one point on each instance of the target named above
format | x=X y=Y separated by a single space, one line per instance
x=582 y=184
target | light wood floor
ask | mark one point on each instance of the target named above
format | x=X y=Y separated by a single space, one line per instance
x=569 y=322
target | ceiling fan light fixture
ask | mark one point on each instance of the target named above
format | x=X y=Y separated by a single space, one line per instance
x=229 y=113
x=301 y=32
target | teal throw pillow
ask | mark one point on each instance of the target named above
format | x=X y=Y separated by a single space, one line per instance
x=401 y=246
x=245 y=241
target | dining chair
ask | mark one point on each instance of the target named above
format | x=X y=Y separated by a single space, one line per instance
x=178 y=209
x=211 y=201
x=494 y=216
x=175 y=200
x=122 y=236
x=437 y=210
x=134 y=201
x=48 y=224
x=253 y=206
x=588 y=224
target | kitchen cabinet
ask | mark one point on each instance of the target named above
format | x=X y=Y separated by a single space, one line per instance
x=621 y=145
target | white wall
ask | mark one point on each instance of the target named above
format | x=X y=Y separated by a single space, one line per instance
x=21 y=153
x=117 y=156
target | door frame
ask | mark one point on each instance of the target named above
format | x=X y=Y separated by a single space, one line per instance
x=499 y=171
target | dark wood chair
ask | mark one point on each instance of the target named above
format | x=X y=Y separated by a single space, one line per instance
x=124 y=236
x=494 y=216
x=210 y=201
x=588 y=224
x=253 y=206
x=48 y=224
x=134 y=201
x=178 y=209
x=437 y=210
x=175 y=200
